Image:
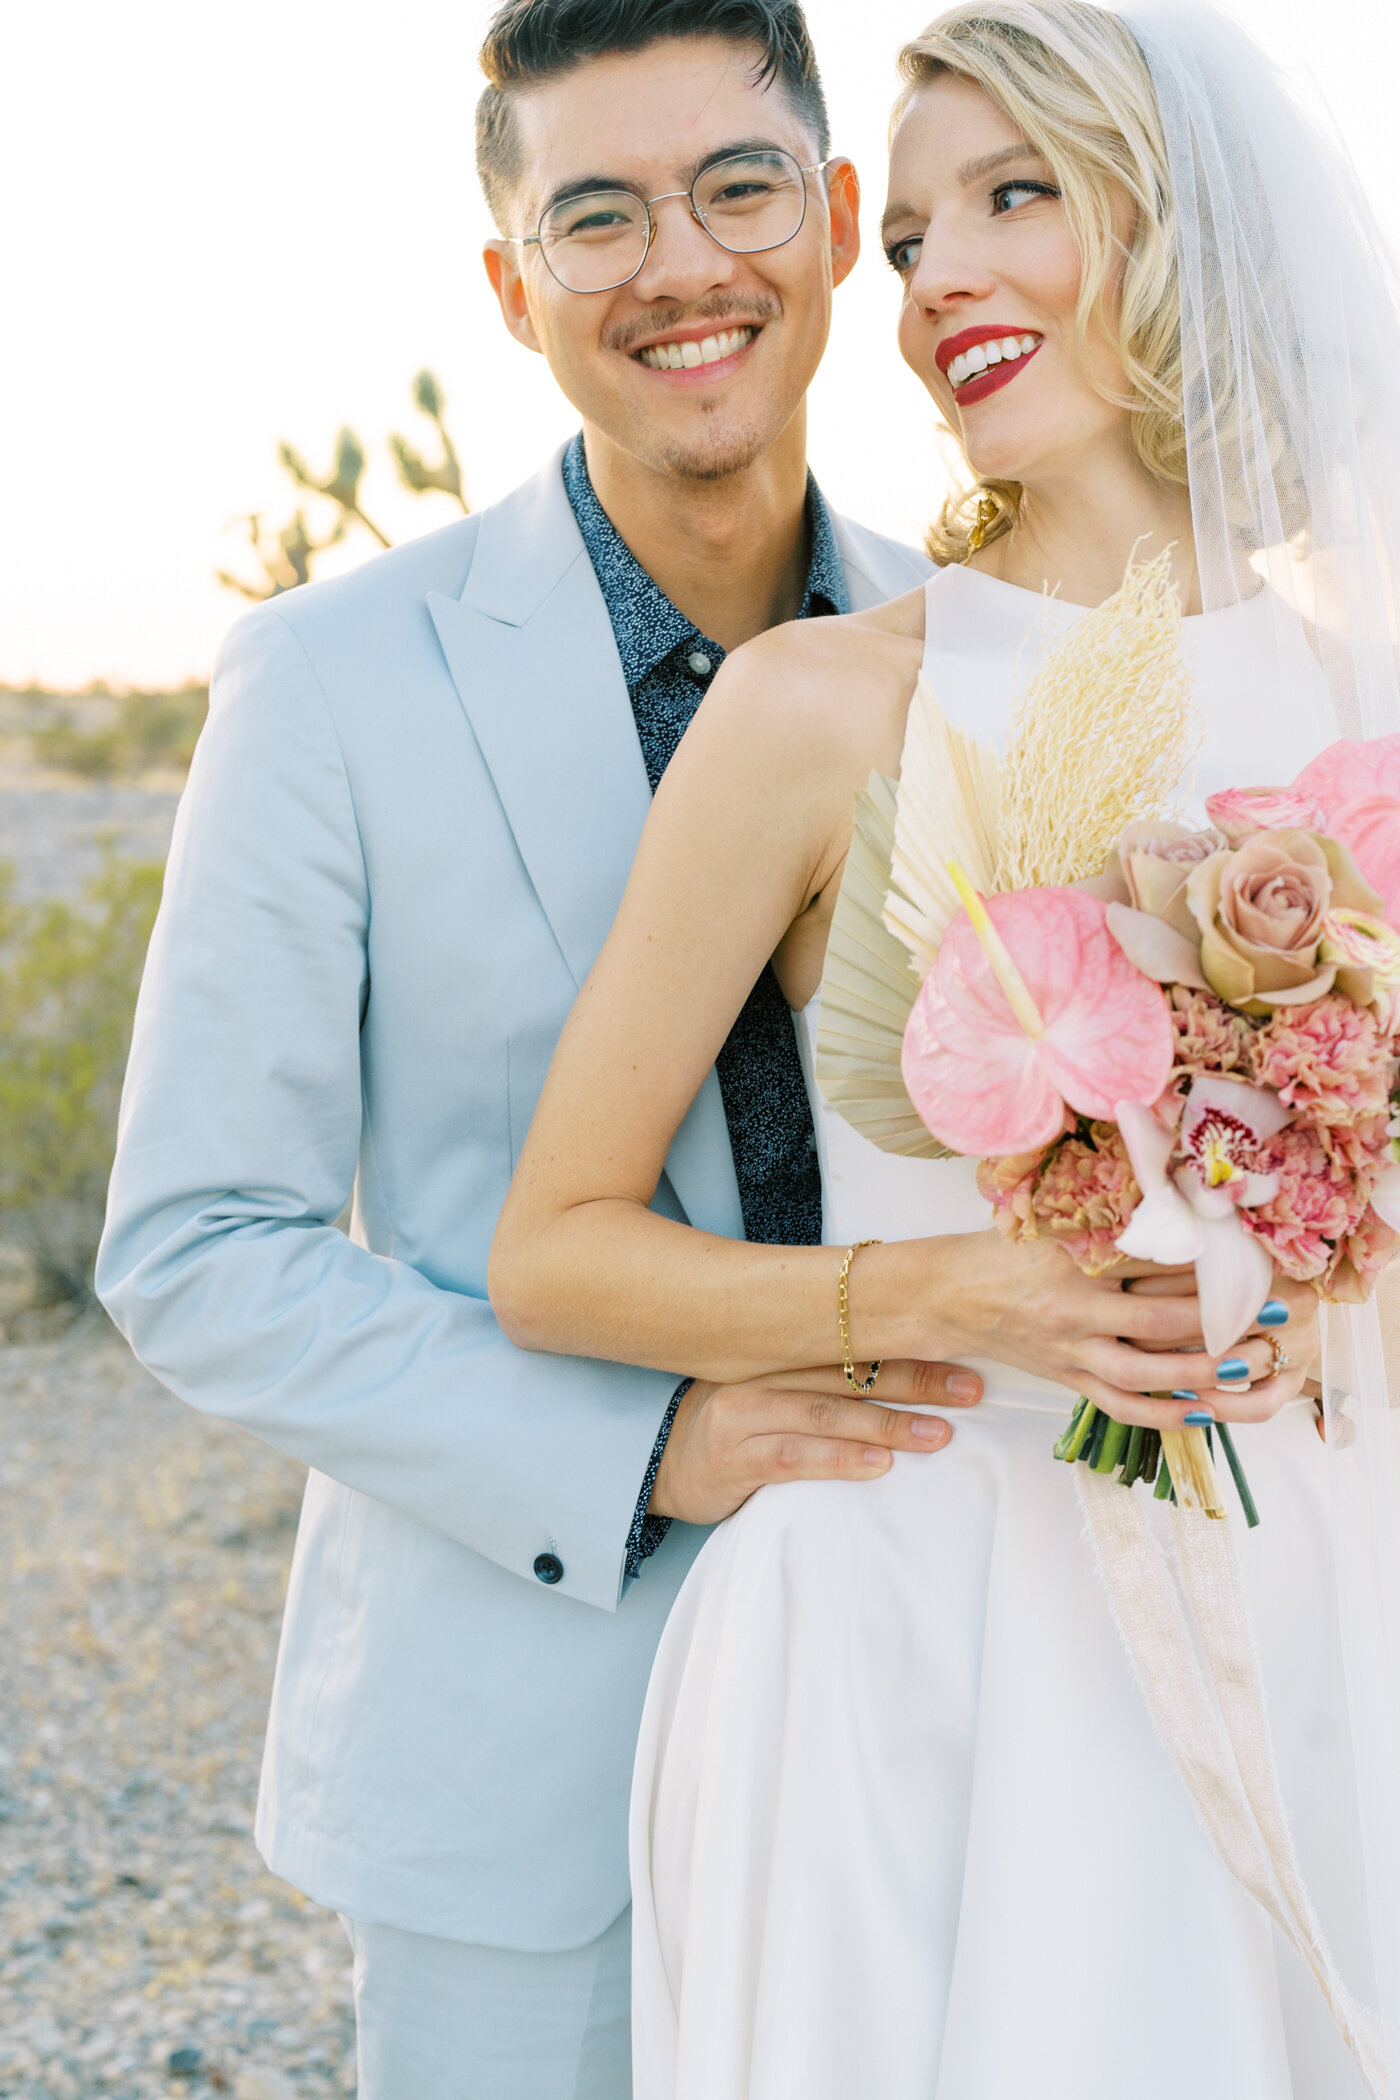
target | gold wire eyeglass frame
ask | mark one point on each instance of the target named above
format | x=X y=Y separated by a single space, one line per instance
x=536 y=239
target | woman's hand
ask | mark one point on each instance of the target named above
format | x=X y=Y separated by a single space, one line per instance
x=1125 y=1339
x=1259 y=1397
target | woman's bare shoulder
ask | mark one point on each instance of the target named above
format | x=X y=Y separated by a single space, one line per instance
x=844 y=680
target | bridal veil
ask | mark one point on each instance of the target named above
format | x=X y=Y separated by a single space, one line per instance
x=1290 y=329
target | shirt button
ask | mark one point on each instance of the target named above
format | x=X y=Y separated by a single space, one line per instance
x=700 y=663
x=549 y=1567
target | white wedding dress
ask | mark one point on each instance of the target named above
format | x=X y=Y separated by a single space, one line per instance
x=901 y=1828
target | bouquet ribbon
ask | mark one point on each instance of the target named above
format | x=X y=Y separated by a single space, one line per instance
x=1228 y=1770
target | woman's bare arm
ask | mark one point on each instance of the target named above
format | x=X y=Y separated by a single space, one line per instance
x=748 y=827
x=745 y=840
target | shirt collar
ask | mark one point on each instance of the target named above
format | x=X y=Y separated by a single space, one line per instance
x=648 y=627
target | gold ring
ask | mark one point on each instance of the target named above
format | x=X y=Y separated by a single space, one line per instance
x=1280 y=1360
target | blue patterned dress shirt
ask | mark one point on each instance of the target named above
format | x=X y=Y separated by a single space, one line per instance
x=668 y=666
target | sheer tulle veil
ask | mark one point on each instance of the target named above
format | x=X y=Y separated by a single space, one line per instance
x=1291 y=354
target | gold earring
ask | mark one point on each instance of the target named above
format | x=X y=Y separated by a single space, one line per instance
x=982 y=524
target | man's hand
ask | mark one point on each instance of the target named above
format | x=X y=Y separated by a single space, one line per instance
x=728 y=1440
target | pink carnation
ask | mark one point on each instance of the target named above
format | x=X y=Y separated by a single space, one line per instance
x=1328 y=1061
x=1364 y=1254
x=1362 y=1148
x=1318 y=1204
x=1007 y=1184
x=1210 y=1036
x=1084 y=1196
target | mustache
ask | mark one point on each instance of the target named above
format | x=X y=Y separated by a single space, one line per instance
x=725 y=311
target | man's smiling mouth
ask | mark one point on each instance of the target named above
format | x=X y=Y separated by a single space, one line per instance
x=686 y=356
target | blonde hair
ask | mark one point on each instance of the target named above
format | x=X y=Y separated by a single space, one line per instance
x=1074 y=81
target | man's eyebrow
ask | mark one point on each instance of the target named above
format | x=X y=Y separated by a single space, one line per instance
x=974 y=170
x=583 y=185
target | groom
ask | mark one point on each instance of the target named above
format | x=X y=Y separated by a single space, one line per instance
x=407 y=828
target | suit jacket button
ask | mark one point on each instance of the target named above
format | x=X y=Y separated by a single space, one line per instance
x=549 y=1567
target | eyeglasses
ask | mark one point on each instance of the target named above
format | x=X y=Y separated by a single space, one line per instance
x=747 y=202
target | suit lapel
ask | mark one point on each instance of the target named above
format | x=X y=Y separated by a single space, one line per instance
x=532 y=655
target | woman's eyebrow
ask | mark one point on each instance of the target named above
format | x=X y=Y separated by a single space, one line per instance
x=974 y=170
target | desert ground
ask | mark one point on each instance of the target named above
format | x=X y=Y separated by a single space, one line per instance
x=144 y=1949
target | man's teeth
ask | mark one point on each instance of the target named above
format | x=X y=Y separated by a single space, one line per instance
x=981 y=355
x=678 y=357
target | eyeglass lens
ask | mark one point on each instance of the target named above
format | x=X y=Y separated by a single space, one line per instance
x=748 y=202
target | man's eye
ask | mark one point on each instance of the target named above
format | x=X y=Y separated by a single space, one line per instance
x=903 y=256
x=1011 y=196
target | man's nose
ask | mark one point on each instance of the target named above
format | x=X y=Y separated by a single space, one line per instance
x=683 y=262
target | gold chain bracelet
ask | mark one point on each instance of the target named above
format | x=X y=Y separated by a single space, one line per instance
x=843 y=1321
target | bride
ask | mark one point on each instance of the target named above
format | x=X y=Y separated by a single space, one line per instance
x=902 y=1829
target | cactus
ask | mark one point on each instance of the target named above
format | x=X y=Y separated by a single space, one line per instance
x=287 y=558
x=414 y=471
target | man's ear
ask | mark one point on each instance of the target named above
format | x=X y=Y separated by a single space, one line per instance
x=502 y=260
x=843 y=204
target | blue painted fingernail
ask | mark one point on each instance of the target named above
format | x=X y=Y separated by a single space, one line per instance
x=1179 y=1394
x=1273 y=1313
x=1233 y=1370
x=1199 y=1418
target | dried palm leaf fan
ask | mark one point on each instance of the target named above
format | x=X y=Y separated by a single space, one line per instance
x=1100 y=738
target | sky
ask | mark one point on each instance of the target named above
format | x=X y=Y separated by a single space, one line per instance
x=227 y=224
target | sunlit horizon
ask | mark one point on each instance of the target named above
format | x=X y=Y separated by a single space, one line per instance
x=257 y=223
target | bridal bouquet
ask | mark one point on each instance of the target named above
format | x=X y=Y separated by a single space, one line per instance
x=1173 y=1044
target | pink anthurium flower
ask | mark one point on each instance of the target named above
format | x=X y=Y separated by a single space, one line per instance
x=1192 y=1214
x=1031 y=1014
x=1358 y=786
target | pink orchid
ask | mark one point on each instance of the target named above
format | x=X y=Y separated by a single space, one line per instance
x=1358 y=787
x=1031 y=1014
x=1385 y=1196
x=1192 y=1214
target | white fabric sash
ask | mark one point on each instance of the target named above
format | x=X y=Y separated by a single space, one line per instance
x=1228 y=1771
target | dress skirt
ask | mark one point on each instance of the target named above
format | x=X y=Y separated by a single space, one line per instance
x=901 y=1827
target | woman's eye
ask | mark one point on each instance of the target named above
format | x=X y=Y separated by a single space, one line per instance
x=1010 y=196
x=903 y=256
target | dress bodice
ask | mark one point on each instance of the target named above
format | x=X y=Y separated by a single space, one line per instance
x=1265 y=713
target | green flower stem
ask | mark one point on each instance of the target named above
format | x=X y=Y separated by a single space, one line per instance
x=1080 y=1424
x=1227 y=1445
x=1151 y=1456
x=1091 y=1450
x=1114 y=1444
x=1164 y=1482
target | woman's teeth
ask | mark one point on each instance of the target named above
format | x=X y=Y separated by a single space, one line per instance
x=976 y=360
x=679 y=357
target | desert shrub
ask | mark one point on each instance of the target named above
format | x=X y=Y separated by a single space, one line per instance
x=68 y=982
x=146 y=730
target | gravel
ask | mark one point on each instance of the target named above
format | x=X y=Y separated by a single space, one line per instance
x=144 y=1948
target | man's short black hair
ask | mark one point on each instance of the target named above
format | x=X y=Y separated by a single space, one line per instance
x=530 y=41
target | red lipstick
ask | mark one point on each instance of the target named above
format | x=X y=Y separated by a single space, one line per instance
x=977 y=387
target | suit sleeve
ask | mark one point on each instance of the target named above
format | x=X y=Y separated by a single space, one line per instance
x=238 y=1145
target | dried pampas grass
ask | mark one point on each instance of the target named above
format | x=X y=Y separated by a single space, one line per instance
x=1100 y=738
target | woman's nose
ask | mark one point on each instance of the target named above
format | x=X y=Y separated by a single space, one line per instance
x=949 y=274
x=683 y=262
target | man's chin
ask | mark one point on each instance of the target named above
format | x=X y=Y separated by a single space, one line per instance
x=700 y=453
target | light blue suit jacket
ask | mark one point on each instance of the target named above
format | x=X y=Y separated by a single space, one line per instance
x=407 y=828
